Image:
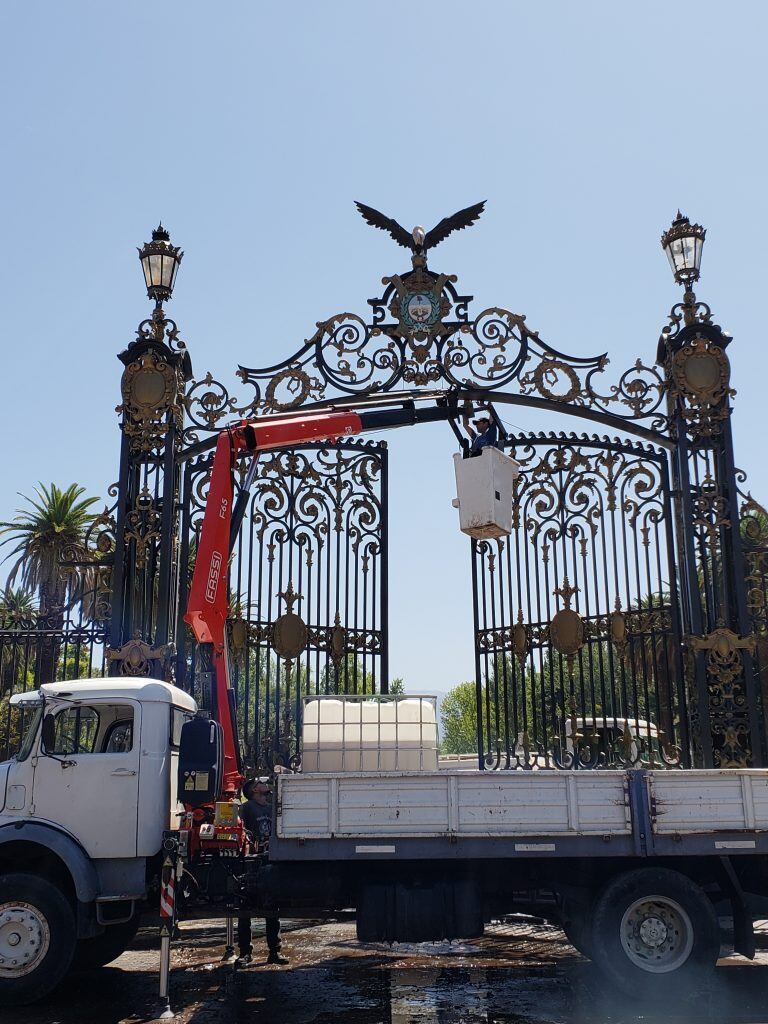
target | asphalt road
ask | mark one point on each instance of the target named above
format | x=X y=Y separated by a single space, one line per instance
x=516 y=974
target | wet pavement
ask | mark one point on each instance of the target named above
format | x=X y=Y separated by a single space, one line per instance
x=518 y=973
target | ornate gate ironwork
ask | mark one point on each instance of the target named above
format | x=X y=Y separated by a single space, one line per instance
x=308 y=586
x=608 y=628
x=632 y=591
x=578 y=635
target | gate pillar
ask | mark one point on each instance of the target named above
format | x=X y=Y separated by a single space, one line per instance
x=157 y=367
x=720 y=639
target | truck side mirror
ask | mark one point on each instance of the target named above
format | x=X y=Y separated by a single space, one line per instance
x=49 y=733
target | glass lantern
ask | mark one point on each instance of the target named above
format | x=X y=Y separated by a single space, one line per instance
x=683 y=243
x=160 y=262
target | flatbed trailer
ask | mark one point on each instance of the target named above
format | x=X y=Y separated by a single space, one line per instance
x=642 y=868
x=458 y=814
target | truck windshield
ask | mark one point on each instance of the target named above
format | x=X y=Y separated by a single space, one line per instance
x=29 y=722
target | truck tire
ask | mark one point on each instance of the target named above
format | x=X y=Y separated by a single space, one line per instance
x=37 y=938
x=576 y=922
x=654 y=933
x=103 y=949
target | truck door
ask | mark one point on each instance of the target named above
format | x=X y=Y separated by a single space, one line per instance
x=89 y=781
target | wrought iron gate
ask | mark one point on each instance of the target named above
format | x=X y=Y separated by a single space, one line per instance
x=308 y=587
x=623 y=621
x=577 y=625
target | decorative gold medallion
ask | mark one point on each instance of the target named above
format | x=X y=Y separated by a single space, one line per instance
x=289 y=633
x=567 y=631
x=701 y=374
x=567 y=627
x=290 y=636
x=150 y=387
x=239 y=633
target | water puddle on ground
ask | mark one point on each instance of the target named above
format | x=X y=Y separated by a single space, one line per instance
x=453 y=995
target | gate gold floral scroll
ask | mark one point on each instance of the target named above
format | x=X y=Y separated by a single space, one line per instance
x=578 y=639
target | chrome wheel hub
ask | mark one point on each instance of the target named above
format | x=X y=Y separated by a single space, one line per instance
x=657 y=934
x=24 y=939
x=653 y=932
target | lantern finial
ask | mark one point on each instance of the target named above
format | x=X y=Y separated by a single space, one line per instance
x=160 y=262
x=683 y=243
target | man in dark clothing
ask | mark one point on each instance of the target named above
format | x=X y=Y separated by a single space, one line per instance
x=256 y=815
x=486 y=435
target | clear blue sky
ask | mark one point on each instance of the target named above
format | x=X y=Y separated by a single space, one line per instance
x=250 y=128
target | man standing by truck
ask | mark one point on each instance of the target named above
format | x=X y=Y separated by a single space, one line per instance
x=256 y=815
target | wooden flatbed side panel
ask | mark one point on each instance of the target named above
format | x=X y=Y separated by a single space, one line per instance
x=306 y=806
x=539 y=803
x=412 y=805
x=459 y=803
x=726 y=800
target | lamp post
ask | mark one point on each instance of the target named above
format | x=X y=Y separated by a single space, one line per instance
x=157 y=368
x=717 y=623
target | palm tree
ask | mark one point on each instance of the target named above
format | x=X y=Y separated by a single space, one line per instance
x=17 y=609
x=49 y=532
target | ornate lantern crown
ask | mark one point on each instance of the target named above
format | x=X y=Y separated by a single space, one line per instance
x=683 y=243
x=160 y=262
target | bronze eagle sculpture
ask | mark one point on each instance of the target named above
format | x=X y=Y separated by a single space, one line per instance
x=418 y=240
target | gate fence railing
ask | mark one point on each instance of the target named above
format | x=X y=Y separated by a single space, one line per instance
x=60 y=648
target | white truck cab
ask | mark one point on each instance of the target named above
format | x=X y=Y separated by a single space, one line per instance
x=83 y=807
x=96 y=763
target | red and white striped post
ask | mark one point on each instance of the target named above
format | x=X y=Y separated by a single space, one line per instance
x=167 y=923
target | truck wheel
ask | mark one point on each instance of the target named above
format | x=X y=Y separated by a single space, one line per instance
x=576 y=922
x=37 y=938
x=653 y=931
x=103 y=949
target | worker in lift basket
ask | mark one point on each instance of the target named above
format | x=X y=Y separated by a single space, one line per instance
x=485 y=436
x=256 y=815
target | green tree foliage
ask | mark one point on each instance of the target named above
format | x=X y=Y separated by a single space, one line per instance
x=17 y=653
x=458 y=719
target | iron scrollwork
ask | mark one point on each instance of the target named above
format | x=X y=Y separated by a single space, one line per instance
x=306 y=580
x=565 y=624
x=421 y=334
x=728 y=705
x=153 y=382
x=138 y=658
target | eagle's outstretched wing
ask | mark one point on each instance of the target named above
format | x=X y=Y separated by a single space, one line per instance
x=459 y=220
x=378 y=220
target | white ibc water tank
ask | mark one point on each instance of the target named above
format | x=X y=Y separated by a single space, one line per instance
x=485 y=488
x=371 y=735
